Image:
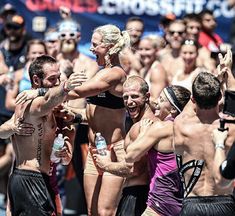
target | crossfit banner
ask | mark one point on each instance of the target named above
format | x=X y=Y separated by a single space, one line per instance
x=39 y=14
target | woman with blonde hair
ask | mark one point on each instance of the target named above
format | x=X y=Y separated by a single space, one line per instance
x=105 y=114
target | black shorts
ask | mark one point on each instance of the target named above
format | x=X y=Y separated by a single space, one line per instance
x=208 y=206
x=29 y=195
x=133 y=201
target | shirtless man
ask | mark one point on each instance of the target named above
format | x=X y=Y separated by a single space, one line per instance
x=175 y=36
x=193 y=130
x=136 y=99
x=32 y=166
x=129 y=58
x=166 y=192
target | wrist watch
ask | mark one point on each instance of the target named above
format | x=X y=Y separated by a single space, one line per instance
x=219 y=145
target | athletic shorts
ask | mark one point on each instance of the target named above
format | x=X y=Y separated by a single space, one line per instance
x=90 y=166
x=208 y=206
x=29 y=195
x=133 y=201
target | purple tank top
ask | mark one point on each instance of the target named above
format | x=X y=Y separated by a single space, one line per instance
x=166 y=192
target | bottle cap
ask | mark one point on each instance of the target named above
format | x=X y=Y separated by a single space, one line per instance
x=98 y=134
x=60 y=135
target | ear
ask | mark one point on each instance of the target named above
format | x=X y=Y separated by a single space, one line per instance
x=192 y=99
x=173 y=111
x=109 y=46
x=78 y=36
x=36 y=81
x=147 y=96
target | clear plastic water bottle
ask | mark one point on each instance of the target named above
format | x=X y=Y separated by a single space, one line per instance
x=100 y=143
x=58 y=144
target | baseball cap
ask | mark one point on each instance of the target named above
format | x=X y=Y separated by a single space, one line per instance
x=7 y=9
x=15 y=21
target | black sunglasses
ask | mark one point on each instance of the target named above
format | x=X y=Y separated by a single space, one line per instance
x=179 y=32
x=71 y=35
x=13 y=27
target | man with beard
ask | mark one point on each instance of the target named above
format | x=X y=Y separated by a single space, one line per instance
x=133 y=202
x=72 y=61
x=30 y=188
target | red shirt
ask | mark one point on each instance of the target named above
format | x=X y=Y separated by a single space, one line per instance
x=211 y=42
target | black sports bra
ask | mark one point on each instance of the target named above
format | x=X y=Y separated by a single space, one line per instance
x=106 y=99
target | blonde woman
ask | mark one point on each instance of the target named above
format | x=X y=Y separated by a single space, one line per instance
x=105 y=114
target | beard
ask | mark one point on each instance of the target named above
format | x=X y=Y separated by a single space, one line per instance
x=68 y=46
x=15 y=38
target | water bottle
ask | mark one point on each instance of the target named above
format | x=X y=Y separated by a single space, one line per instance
x=58 y=144
x=100 y=143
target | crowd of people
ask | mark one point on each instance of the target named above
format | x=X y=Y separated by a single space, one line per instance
x=158 y=101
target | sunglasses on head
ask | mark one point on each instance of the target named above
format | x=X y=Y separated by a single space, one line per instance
x=189 y=42
x=13 y=27
x=178 y=32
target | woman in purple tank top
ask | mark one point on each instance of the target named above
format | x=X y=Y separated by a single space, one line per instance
x=166 y=192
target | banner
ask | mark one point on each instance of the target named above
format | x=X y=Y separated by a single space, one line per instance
x=40 y=14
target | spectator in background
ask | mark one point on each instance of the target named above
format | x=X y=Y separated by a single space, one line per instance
x=129 y=58
x=22 y=82
x=165 y=22
x=171 y=55
x=152 y=70
x=207 y=37
x=51 y=39
x=185 y=76
x=5 y=11
x=193 y=29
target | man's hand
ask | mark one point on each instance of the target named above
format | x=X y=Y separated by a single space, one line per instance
x=63 y=112
x=102 y=160
x=144 y=125
x=75 y=80
x=226 y=60
x=26 y=95
x=22 y=128
x=219 y=137
x=65 y=153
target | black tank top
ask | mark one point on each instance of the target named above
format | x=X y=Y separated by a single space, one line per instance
x=106 y=99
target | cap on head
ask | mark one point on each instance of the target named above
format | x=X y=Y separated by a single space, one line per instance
x=7 y=9
x=15 y=20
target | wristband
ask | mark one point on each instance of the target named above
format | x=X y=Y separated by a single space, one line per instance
x=42 y=91
x=220 y=145
x=77 y=119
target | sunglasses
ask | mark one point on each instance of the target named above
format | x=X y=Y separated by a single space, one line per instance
x=68 y=35
x=178 y=32
x=189 y=42
x=13 y=27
